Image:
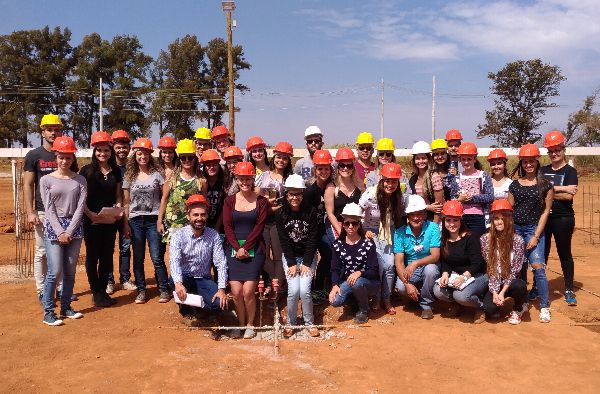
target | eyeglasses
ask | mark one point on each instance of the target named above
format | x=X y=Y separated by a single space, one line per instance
x=555 y=151
x=295 y=194
x=384 y=154
x=345 y=166
x=353 y=223
x=186 y=158
x=365 y=148
x=315 y=141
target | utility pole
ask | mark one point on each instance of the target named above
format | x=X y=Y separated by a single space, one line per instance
x=433 y=110
x=228 y=6
x=101 y=109
x=382 y=107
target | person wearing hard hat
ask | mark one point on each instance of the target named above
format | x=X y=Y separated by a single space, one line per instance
x=531 y=197
x=39 y=162
x=221 y=138
x=297 y=228
x=425 y=182
x=464 y=281
x=561 y=222
x=504 y=252
x=499 y=172
x=417 y=253
x=167 y=157
x=454 y=140
x=383 y=206
x=63 y=193
x=215 y=178
x=257 y=154
x=354 y=266
x=364 y=148
x=441 y=164
x=385 y=155
x=314 y=141
x=202 y=139
x=193 y=250
x=232 y=156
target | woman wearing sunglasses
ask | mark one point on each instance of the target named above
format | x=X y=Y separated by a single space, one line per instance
x=385 y=155
x=257 y=154
x=354 y=266
x=425 y=182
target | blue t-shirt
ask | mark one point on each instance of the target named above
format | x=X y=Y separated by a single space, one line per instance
x=416 y=248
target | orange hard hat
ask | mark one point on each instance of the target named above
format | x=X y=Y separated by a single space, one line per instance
x=391 y=171
x=284 y=147
x=232 y=151
x=210 y=155
x=322 y=157
x=253 y=142
x=497 y=154
x=554 y=138
x=99 y=137
x=244 y=168
x=220 y=131
x=120 y=135
x=143 y=143
x=64 y=144
x=196 y=199
x=344 y=154
x=167 y=142
x=501 y=205
x=467 y=148
x=453 y=135
x=452 y=208
x=529 y=150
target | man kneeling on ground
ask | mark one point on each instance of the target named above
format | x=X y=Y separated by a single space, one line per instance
x=192 y=250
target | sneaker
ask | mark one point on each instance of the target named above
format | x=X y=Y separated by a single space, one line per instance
x=545 y=315
x=570 y=298
x=427 y=314
x=235 y=333
x=110 y=288
x=110 y=300
x=533 y=294
x=141 y=297
x=249 y=333
x=71 y=314
x=100 y=301
x=361 y=318
x=479 y=316
x=128 y=286
x=51 y=319
x=164 y=297
x=515 y=317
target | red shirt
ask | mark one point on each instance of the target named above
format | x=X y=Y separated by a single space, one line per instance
x=362 y=171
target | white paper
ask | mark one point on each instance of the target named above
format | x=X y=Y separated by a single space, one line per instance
x=451 y=279
x=108 y=215
x=190 y=299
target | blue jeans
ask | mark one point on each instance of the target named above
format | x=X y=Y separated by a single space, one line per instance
x=471 y=296
x=476 y=223
x=144 y=228
x=387 y=269
x=535 y=256
x=363 y=289
x=124 y=258
x=299 y=287
x=205 y=288
x=62 y=261
x=425 y=277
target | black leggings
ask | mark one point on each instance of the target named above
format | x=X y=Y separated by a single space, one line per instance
x=517 y=290
x=99 y=248
x=562 y=228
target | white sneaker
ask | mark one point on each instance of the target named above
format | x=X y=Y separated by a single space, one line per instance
x=249 y=333
x=515 y=317
x=545 y=315
x=110 y=288
x=129 y=286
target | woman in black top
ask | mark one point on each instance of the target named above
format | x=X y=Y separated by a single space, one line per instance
x=104 y=181
x=561 y=222
x=296 y=223
x=462 y=263
x=215 y=177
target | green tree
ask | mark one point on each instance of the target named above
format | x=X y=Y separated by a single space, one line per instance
x=523 y=91
x=583 y=126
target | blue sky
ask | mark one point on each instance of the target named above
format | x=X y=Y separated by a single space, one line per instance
x=321 y=62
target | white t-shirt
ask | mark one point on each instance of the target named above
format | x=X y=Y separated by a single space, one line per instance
x=501 y=192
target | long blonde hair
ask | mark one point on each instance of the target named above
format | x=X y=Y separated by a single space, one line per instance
x=500 y=247
x=337 y=179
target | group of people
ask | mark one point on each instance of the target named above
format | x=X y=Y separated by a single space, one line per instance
x=343 y=229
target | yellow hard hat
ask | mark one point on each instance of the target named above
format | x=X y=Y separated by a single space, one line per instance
x=364 y=138
x=202 y=134
x=386 y=144
x=185 y=146
x=50 y=120
x=439 y=143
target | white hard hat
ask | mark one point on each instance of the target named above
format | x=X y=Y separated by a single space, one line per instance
x=294 y=181
x=312 y=130
x=352 y=209
x=421 y=147
x=415 y=203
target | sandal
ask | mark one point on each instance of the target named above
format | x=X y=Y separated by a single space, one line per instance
x=287 y=332
x=313 y=331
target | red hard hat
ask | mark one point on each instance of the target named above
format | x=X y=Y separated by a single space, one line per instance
x=453 y=135
x=219 y=131
x=100 y=137
x=391 y=171
x=284 y=147
x=196 y=199
x=467 y=148
x=64 y=144
x=143 y=143
x=554 y=138
x=497 y=154
x=452 y=208
x=529 y=150
x=344 y=154
x=210 y=155
x=501 y=205
x=244 y=168
x=167 y=142
x=232 y=151
x=253 y=142
x=322 y=157
x=120 y=135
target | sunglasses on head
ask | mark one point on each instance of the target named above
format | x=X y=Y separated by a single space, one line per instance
x=344 y=166
x=315 y=141
x=186 y=158
x=353 y=223
x=382 y=154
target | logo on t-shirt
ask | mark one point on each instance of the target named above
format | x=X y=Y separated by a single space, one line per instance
x=47 y=166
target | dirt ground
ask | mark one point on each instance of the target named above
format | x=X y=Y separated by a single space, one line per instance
x=145 y=348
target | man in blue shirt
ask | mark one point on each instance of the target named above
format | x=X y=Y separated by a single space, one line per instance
x=192 y=250
x=417 y=252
